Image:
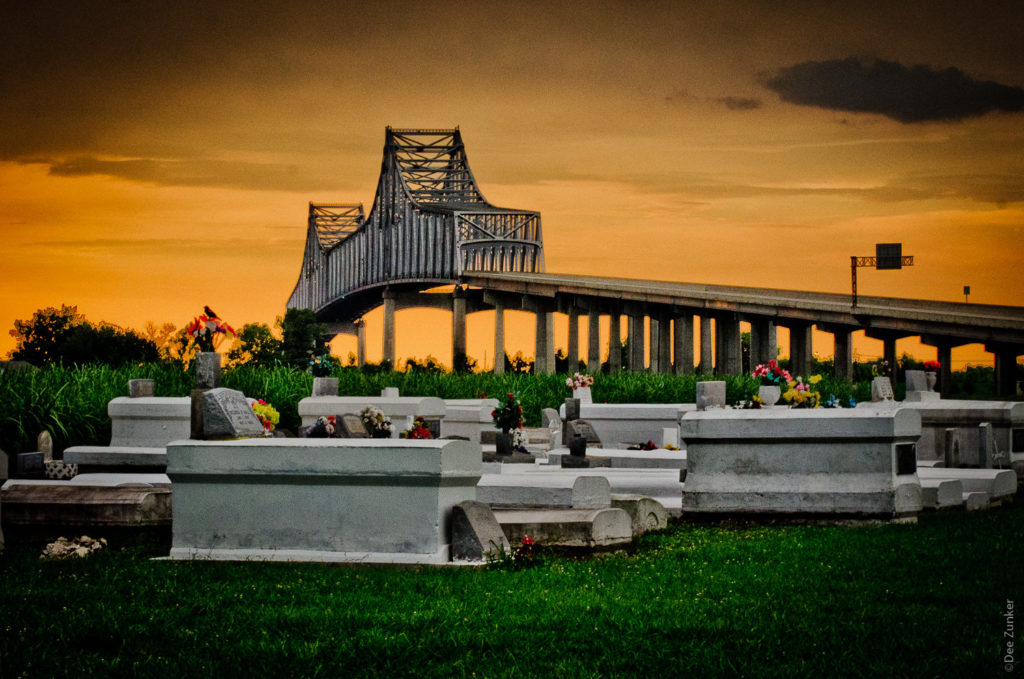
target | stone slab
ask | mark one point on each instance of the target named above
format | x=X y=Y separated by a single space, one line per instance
x=975 y=500
x=475 y=532
x=941 y=493
x=621 y=424
x=369 y=500
x=632 y=459
x=588 y=528
x=110 y=458
x=645 y=513
x=571 y=461
x=998 y=483
x=63 y=503
x=513 y=491
x=140 y=388
x=663 y=485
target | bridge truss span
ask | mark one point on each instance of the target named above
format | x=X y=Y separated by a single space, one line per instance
x=429 y=223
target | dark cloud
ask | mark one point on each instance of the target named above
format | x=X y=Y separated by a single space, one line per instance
x=909 y=94
x=196 y=173
x=740 y=103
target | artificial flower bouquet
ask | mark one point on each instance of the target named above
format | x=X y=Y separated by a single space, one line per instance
x=377 y=424
x=577 y=381
x=508 y=415
x=267 y=414
x=207 y=331
x=771 y=375
x=802 y=394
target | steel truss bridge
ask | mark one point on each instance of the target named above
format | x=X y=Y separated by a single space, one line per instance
x=430 y=226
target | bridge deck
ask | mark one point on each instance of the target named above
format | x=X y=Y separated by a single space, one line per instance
x=977 y=322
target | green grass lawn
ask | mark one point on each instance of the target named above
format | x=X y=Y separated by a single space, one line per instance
x=924 y=600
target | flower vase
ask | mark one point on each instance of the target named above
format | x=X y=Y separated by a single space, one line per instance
x=583 y=394
x=769 y=394
x=503 y=443
x=931 y=379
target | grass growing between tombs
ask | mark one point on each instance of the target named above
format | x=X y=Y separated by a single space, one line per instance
x=702 y=600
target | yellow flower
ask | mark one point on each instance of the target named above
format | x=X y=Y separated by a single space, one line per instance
x=815 y=379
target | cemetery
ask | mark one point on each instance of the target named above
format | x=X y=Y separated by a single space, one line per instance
x=661 y=491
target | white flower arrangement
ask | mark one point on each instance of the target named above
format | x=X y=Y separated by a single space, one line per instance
x=377 y=423
x=519 y=440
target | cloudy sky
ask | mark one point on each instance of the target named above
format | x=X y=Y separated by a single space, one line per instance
x=156 y=157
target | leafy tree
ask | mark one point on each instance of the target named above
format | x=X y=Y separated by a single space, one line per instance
x=40 y=337
x=255 y=345
x=302 y=336
x=106 y=344
x=162 y=336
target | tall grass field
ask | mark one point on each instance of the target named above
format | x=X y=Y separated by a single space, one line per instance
x=71 y=401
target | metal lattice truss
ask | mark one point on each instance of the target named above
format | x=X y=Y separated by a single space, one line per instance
x=429 y=223
x=335 y=223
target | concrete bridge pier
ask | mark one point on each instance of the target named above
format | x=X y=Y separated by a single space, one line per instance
x=682 y=339
x=356 y=328
x=888 y=339
x=593 y=342
x=544 y=339
x=729 y=345
x=573 y=344
x=707 y=359
x=664 y=344
x=388 y=342
x=1006 y=368
x=615 y=341
x=637 y=340
x=458 y=327
x=654 y=359
x=800 y=349
x=499 y=338
x=842 y=355
x=944 y=355
x=764 y=343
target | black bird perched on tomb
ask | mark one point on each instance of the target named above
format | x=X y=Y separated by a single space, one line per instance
x=210 y=312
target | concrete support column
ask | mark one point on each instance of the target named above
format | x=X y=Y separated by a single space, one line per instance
x=764 y=342
x=889 y=354
x=593 y=342
x=637 y=340
x=665 y=345
x=842 y=356
x=682 y=338
x=707 y=360
x=653 y=359
x=800 y=349
x=1006 y=368
x=544 y=344
x=499 y=338
x=458 y=328
x=614 y=341
x=389 y=327
x=573 y=350
x=730 y=362
x=360 y=342
x=945 y=358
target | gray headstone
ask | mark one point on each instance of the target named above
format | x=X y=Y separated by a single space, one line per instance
x=228 y=415
x=325 y=386
x=710 y=395
x=44 y=444
x=952 y=447
x=988 y=456
x=389 y=392
x=550 y=419
x=583 y=429
x=475 y=532
x=207 y=370
x=881 y=389
x=140 y=388
x=572 y=409
x=917 y=381
x=4 y=473
x=351 y=427
x=28 y=464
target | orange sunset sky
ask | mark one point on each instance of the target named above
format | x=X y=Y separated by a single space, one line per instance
x=156 y=157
